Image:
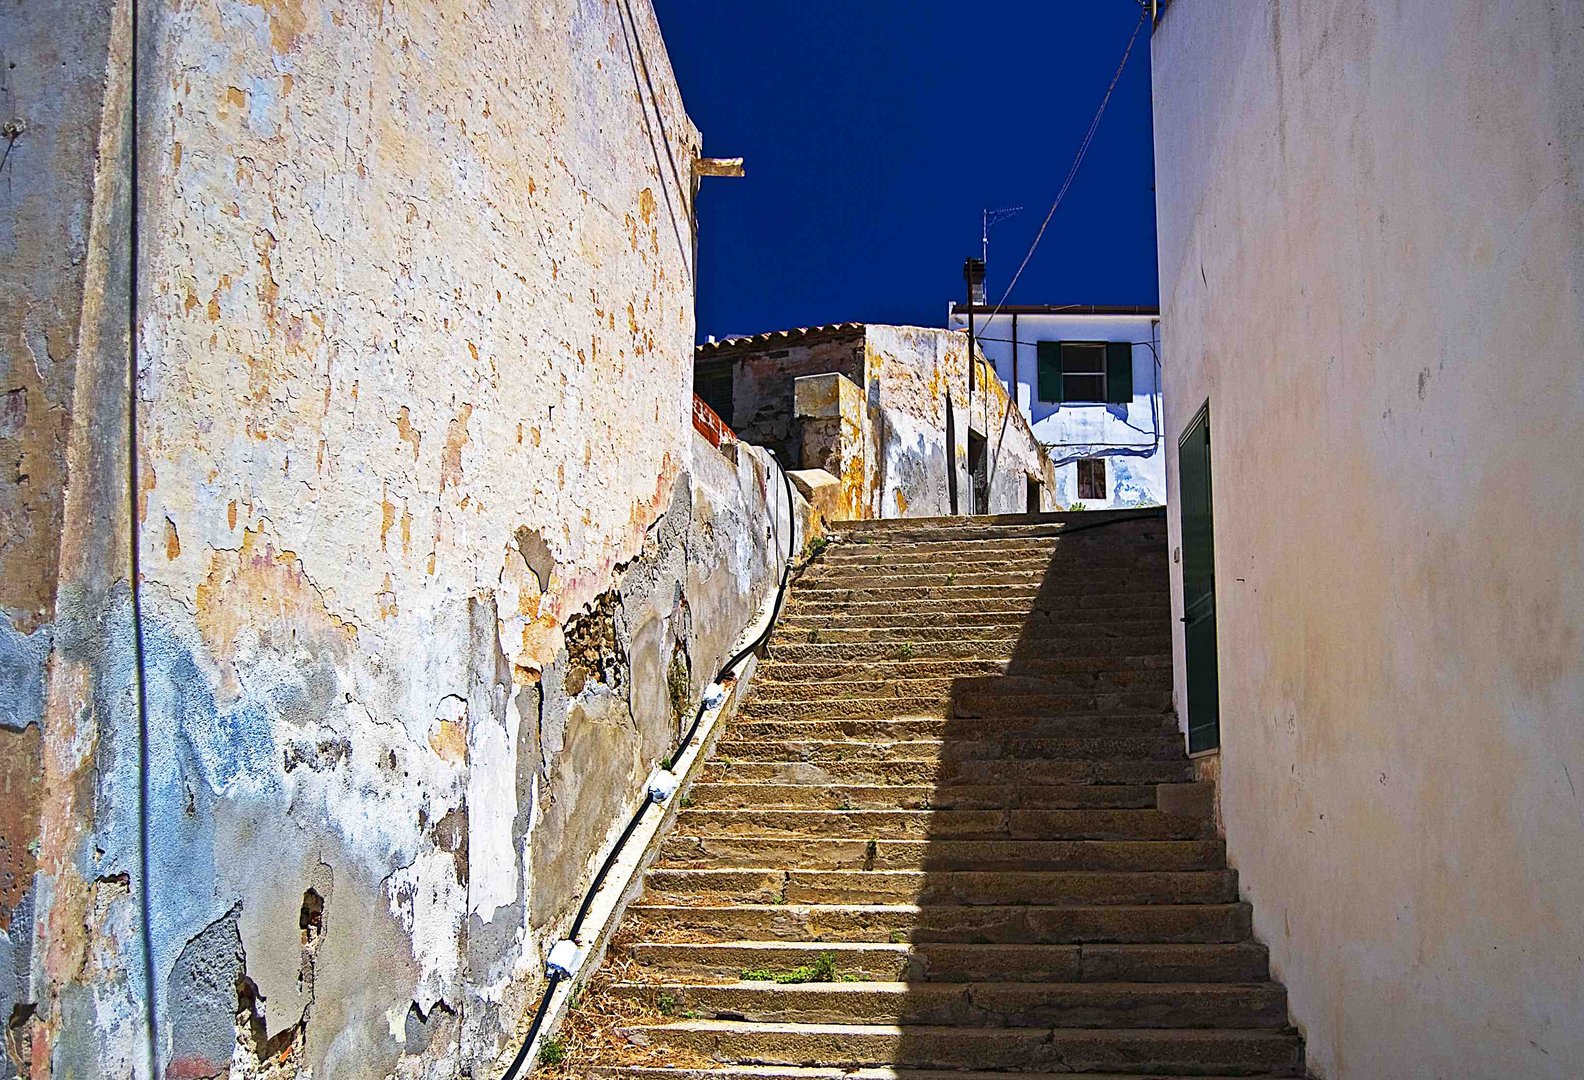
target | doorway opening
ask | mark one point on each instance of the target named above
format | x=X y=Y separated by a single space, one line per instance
x=978 y=470
x=1198 y=575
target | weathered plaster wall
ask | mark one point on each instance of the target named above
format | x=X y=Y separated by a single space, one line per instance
x=1372 y=261
x=432 y=561
x=57 y=309
x=911 y=371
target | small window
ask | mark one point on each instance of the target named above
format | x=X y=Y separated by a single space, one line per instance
x=1083 y=371
x=714 y=386
x=1092 y=478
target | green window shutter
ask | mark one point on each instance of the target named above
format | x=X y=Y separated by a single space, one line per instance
x=1050 y=371
x=1119 y=372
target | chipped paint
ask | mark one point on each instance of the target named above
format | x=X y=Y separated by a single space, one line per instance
x=378 y=246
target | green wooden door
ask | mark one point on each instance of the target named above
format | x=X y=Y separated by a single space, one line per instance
x=1198 y=563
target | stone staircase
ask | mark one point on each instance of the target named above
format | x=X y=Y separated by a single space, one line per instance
x=939 y=838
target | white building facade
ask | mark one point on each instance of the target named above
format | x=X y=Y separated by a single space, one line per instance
x=1088 y=379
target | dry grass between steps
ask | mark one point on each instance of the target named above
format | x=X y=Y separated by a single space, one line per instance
x=591 y=1036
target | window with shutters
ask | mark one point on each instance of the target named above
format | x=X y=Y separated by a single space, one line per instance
x=1085 y=372
x=1091 y=478
x=1083 y=366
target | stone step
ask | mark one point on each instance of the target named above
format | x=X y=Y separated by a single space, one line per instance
x=1093 y=596
x=902 y=569
x=943 y=657
x=885 y=769
x=992 y=553
x=939 y=887
x=973 y=688
x=957 y=824
x=970 y=729
x=953 y=1047
x=1120 y=577
x=906 y=678
x=884 y=1072
x=979 y=618
x=1009 y=639
x=1016 y=924
x=964 y=703
x=1068 y=552
x=980 y=1004
x=1097 y=610
x=937 y=962
x=985 y=553
x=1119 y=748
x=715 y=795
x=1097 y=597
x=857 y=853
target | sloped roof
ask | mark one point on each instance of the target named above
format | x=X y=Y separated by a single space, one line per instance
x=774 y=338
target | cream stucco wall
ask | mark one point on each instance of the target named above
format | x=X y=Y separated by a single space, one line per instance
x=1372 y=266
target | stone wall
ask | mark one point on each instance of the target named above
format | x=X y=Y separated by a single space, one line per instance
x=1372 y=267
x=763 y=370
x=431 y=562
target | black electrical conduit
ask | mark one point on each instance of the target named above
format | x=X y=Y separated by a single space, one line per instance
x=555 y=977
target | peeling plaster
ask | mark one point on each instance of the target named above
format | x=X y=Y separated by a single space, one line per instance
x=413 y=403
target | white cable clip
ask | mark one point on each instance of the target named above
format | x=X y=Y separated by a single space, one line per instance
x=662 y=785
x=714 y=696
x=565 y=958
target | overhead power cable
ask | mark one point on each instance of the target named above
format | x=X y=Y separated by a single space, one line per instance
x=1083 y=149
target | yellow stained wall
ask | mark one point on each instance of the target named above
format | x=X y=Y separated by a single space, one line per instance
x=423 y=544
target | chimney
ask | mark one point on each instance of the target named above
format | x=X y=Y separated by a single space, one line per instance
x=973 y=274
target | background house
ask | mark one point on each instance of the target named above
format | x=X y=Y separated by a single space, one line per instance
x=885 y=411
x=1372 y=278
x=1088 y=379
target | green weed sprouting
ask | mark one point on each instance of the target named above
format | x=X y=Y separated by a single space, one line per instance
x=553 y=1052
x=823 y=969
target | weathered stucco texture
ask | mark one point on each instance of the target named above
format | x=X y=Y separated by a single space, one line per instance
x=1372 y=262
x=57 y=295
x=432 y=561
x=868 y=403
x=913 y=373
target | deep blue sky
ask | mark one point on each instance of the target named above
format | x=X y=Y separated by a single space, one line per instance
x=874 y=131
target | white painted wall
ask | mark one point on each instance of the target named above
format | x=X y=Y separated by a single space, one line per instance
x=1128 y=437
x=1372 y=266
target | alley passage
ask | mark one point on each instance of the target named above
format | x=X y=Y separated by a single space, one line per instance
x=940 y=836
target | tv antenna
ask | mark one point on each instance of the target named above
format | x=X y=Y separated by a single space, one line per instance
x=988 y=218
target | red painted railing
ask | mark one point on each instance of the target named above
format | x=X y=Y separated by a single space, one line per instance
x=710 y=425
